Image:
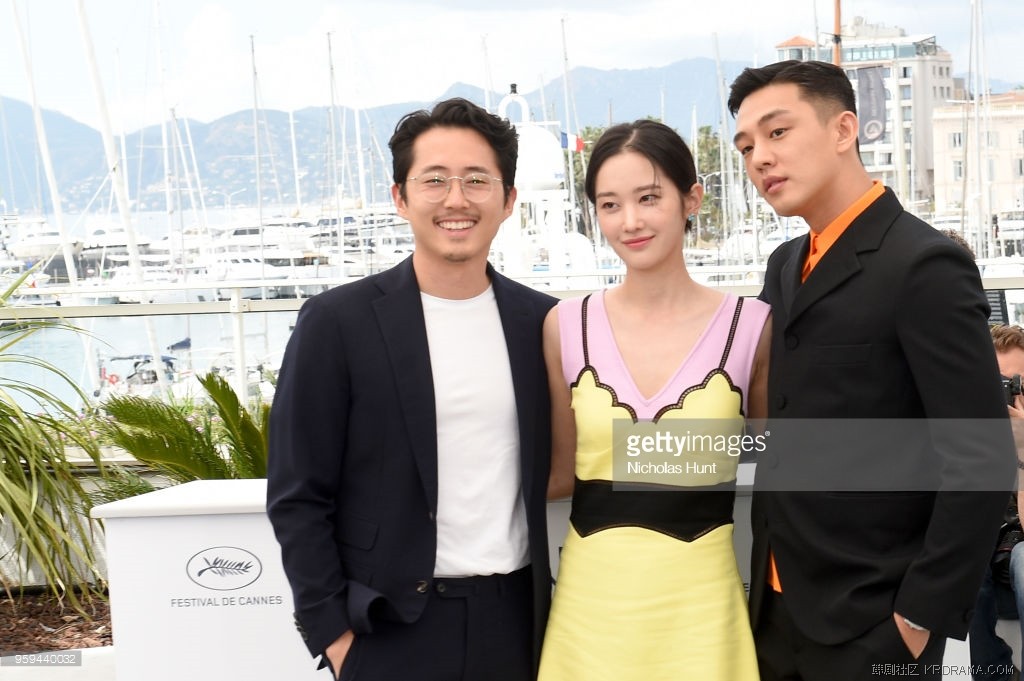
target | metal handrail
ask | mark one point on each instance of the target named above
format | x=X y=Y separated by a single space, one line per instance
x=245 y=305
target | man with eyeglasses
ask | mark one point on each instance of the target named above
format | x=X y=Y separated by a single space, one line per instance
x=410 y=434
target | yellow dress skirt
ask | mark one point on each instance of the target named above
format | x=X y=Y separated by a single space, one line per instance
x=633 y=603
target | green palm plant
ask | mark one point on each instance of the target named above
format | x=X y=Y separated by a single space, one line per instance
x=191 y=444
x=43 y=503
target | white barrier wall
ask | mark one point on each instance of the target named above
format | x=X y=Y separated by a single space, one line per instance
x=197 y=589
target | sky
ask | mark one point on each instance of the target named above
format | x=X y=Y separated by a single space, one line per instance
x=197 y=56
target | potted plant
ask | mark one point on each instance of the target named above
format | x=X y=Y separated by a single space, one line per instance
x=44 y=505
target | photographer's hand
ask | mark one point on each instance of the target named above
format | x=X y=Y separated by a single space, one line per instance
x=1017 y=408
x=1016 y=412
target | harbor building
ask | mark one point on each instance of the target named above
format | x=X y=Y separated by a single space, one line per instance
x=979 y=164
x=914 y=76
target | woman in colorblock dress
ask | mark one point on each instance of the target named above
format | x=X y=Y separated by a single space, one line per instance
x=651 y=382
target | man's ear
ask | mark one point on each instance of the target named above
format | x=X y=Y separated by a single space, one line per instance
x=400 y=204
x=847 y=129
x=510 y=203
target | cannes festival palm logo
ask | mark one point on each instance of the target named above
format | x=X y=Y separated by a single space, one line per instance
x=224 y=568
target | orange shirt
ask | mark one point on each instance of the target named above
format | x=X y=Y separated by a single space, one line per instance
x=820 y=243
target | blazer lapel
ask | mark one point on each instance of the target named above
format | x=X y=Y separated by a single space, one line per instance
x=400 y=316
x=524 y=356
x=790 y=273
x=842 y=260
x=836 y=266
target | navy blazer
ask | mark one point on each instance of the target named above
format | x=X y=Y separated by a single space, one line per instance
x=352 y=474
x=888 y=340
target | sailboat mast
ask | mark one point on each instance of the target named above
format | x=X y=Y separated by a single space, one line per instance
x=837 y=37
x=109 y=147
x=695 y=148
x=118 y=184
x=190 y=168
x=256 y=134
x=295 y=162
x=982 y=126
x=488 y=86
x=817 y=34
x=169 y=203
x=571 y=177
x=357 y=113
x=729 y=218
x=121 y=137
x=44 y=151
x=332 y=170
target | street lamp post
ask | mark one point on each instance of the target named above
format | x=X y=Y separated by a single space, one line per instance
x=227 y=199
x=1020 y=169
x=704 y=177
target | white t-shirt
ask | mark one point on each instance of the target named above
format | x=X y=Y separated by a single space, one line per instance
x=481 y=518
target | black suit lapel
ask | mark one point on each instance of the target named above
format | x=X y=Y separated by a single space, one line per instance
x=524 y=356
x=791 y=271
x=400 y=316
x=843 y=259
x=836 y=266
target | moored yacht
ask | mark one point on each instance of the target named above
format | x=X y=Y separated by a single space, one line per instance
x=35 y=239
x=107 y=243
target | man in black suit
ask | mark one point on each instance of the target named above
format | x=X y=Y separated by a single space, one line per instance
x=410 y=434
x=873 y=510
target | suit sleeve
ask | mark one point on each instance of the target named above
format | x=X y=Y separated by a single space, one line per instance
x=944 y=335
x=308 y=423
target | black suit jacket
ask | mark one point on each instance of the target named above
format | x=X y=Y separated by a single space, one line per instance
x=352 y=474
x=888 y=339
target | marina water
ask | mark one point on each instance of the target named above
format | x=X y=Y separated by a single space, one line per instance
x=211 y=336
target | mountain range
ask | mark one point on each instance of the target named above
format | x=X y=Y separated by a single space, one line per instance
x=225 y=149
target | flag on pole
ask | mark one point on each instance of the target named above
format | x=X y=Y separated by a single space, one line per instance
x=572 y=142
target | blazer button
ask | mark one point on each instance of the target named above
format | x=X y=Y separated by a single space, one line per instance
x=441 y=588
x=780 y=402
x=431 y=516
x=792 y=342
x=421 y=587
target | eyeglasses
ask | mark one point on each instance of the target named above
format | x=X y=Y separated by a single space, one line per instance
x=434 y=188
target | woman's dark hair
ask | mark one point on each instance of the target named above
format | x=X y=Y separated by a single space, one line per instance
x=658 y=143
x=455 y=113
